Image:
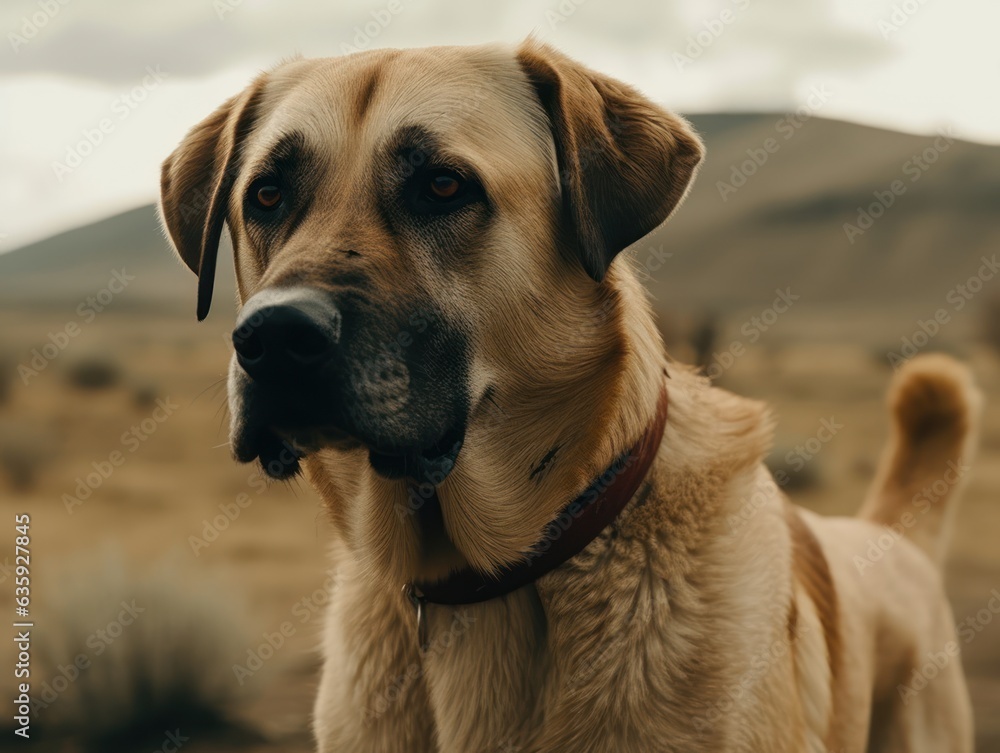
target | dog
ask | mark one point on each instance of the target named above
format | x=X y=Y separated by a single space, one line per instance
x=549 y=536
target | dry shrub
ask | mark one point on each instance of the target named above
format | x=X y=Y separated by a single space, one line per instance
x=144 y=396
x=169 y=667
x=93 y=372
x=793 y=471
x=24 y=452
x=991 y=324
x=7 y=371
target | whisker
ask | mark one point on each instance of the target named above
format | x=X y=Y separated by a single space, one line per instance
x=223 y=414
x=212 y=385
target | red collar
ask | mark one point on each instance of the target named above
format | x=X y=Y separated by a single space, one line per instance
x=579 y=523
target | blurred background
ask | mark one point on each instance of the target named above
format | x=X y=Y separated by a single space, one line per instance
x=845 y=219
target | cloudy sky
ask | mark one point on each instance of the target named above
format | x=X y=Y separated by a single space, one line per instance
x=95 y=93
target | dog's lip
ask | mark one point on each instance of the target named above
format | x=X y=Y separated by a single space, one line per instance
x=280 y=448
x=309 y=439
x=278 y=458
x=430 y=464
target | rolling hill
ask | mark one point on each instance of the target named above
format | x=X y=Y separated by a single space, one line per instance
x=768 y=211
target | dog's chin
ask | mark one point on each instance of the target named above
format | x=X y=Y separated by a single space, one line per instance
x=279 y=451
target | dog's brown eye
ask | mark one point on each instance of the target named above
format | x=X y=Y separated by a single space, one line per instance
x=267 y=196
x=440 y=191
x=444 y=185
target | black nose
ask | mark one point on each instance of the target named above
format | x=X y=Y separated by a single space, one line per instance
x=286 y=331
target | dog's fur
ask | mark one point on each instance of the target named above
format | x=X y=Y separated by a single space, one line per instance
x=713 y=615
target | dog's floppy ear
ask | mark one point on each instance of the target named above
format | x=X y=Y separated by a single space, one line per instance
x=624 y=162
x=195 y=182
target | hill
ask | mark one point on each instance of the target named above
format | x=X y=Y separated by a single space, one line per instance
x=773 y=207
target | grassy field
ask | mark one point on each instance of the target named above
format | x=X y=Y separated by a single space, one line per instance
x=177 y=511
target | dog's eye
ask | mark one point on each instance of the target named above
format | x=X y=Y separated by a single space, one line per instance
x=268 y=196
x=440 y=191
x=265 y=194
x=444 y=185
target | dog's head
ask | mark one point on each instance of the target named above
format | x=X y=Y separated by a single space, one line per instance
x=421 y=239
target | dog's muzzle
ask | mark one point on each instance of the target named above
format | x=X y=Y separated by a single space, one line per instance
x=315 y=371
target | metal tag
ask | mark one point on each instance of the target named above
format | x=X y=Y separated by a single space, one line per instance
x=420 y=607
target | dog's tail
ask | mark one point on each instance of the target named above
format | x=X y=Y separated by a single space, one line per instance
x=935 y=410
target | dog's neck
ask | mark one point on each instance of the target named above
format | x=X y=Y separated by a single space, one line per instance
x=570 y=532
x=638 y=591
x=549 y=444
x=526 y=457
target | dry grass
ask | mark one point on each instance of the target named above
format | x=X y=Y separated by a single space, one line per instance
x=128 y=651
x=272 y=555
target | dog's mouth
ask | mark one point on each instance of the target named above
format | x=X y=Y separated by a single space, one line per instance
x=312 y=371
x=431 y=464
x=280 y=451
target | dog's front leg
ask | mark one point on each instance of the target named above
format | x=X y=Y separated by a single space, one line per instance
x=372 y=696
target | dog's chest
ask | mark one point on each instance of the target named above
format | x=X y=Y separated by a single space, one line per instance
x=484 y=667
x=625 y=649
x=572 y=665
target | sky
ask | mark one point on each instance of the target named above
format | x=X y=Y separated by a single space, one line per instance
x=95 y=93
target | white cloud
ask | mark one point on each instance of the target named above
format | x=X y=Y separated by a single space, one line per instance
x=937 y=67
x=76 y=151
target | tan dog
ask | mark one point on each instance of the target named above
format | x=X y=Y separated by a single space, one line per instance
x=436 y=327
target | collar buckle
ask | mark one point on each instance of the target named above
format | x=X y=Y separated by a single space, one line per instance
x=419 y=602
